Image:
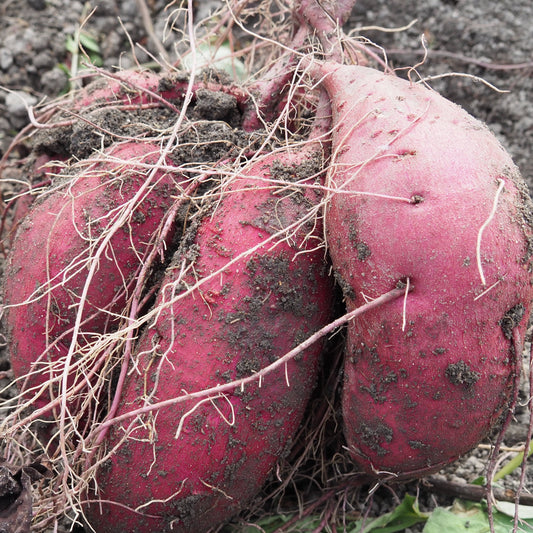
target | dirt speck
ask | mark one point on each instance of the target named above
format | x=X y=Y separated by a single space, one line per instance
x=375 y=435
x=363 y=251
x=511 y=319
x=460 y=373
x=347 y=290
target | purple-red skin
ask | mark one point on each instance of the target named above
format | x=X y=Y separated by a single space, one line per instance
x=426 y=377
x=49 y=252
x=43 y=168
x=130 y=87
x=234 y=325
x=133 y=87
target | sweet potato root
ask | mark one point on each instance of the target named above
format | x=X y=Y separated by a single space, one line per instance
x=134 y=87
x=91 y=118
x=426 y=196
x=190 y=466
x=47 y=283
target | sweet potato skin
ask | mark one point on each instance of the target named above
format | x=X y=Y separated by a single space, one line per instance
x=426 y=378
x=43 y=167
x=137 y=88
x=129 y=87
x=236 y=323
x=48 y=264
x=130 y=90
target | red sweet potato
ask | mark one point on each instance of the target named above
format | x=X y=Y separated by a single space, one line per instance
x=129 y=87
x=236 y=323
x=133 y=87
x=48 y=265
x=129 y=90
x=417 y=178
x=43 y=168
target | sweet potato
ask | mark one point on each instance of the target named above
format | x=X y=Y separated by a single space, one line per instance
x=51 y=255
x=128 y=88
x=417 y=178
x=244 y=317
x=133 y=87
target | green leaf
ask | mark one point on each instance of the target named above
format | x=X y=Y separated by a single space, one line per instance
x=64 y=68
x=270 y=524
x=267 y=524
x=468 y=517
x=96 y=60
x=71 y=45
x=508 y=508
x=405 y=515
x=89 y=43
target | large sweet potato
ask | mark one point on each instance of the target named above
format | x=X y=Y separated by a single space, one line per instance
x=417 y=178
x=52 y=254
x=253 y=311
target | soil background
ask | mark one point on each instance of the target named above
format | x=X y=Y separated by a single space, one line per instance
x=481 y=38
